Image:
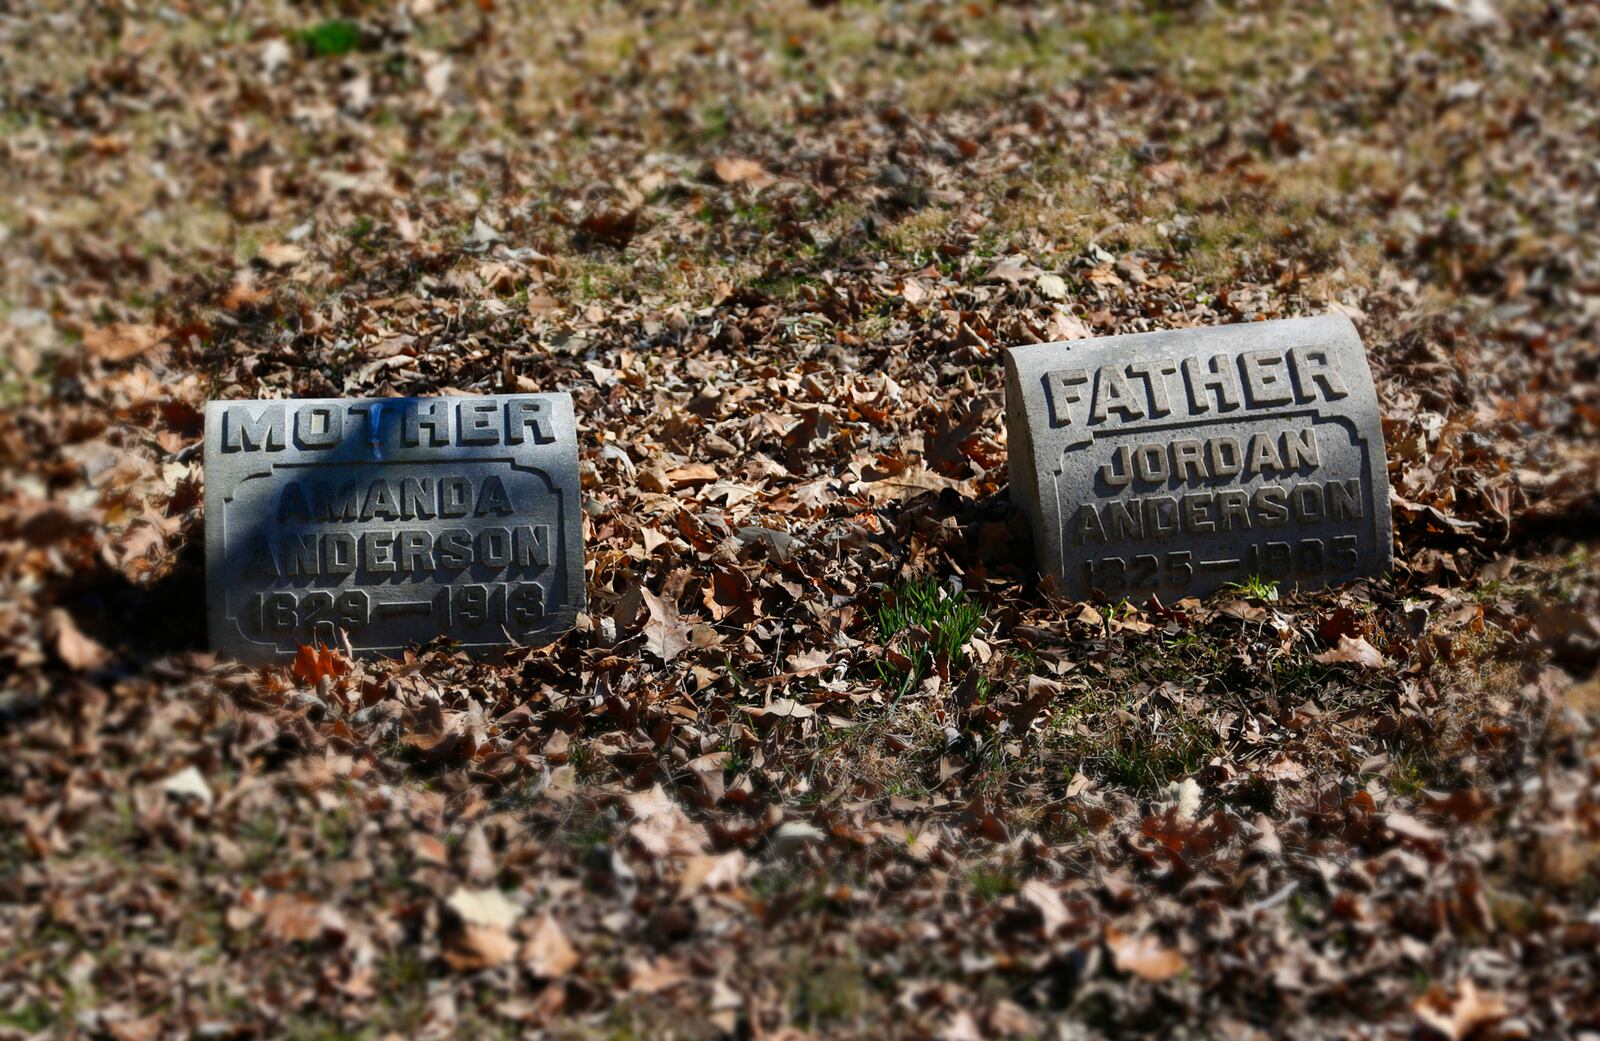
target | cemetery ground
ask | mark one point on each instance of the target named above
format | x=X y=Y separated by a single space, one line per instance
x=824 y=758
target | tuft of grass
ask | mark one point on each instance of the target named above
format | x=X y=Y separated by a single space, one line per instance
x=1100 y=736
x=332 y=38
x=945 y=620
x=1255 y=588
x=991 y=883
x=1146 y=758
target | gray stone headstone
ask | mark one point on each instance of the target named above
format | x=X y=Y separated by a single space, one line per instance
x=391 y=521
x=1174 y=463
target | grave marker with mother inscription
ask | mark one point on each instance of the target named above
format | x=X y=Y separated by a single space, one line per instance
x=391 y=521
x=1177 y=462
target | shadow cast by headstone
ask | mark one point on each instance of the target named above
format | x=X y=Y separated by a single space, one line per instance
x=138 y=622
x=986 y=536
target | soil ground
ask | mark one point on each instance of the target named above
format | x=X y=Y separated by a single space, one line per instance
x=825 y=758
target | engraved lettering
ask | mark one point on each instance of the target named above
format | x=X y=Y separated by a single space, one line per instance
x=1307 y=502
x=318 y=426
x=1188 y=460
x=1160 y=516
x=1151 y=463
x=377 y=550
x=1312 y=367
x=1271 y=504
x=293 y=505
x=259 y=559
x=455 y=548
x=341 y=503
x=381 y=503
x=302 y=555
x=338 y=553
x=475 y=423
x=1263 y=455
x=1300 y=449
x=1087 y=527
x=1112 y=394
x=522 y=413
x=494 y=547
x=243 y=432
x=455 y=497
x=1264 y=385
x=1197 y=512
x=1344 y=500
x=1061 y=388
x=416 y=550
x=1123 y=521
x=432 y=413
x=1110 y=473
x=531 y=545
x=1227 y=458
x=418 y=495
x=1155 y=375
x=1216 y=376
x=1233 y=510
x=493 y=499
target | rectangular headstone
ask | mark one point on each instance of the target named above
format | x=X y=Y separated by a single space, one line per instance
x=393 y=521
x=1174 y=463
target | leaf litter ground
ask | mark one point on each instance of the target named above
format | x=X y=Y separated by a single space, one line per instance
x=823 y=759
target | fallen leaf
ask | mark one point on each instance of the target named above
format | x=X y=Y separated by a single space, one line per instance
x=1144 y=956
x=477 y=929
x=548 y=954
x=188 y=783
x=313 y=663
x=1412 y=830
x=1014 y=270
x=471 y=948
x=122 y=341
x=1352 y=651
x=76 y=651
x=737 y=170
x=1064 y=325
x=666 y=635
x=710 y=872
x=661 y=828
x=483 y=907
x=281 y=255
x=1460 y=1016
x=1047 y=902
x=291 y=918
x=655 y=975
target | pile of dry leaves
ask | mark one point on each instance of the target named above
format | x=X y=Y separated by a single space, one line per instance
x=823 y=759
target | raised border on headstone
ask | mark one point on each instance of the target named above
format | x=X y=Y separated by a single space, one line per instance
x=1174 y=463
x=391 y=521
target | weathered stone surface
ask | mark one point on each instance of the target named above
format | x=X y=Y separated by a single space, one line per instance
x=393 y=521
x=1176 y=462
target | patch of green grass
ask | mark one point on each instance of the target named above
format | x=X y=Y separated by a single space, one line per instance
x=942 y=621
x=716 y=122
x=1255 y=588
x=990 y=883
x=33 y=1018
x=1097 y=735
x=833 y=993
x=332 y=38
x=1145 y=759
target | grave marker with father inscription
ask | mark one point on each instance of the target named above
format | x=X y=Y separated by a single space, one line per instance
x=391 y=521
x=1177 y=462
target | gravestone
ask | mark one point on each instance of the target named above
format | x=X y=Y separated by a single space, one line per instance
x=390 y=521
x=1174 y=463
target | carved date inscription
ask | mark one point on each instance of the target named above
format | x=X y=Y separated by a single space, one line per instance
x=1174 y=463
x=388 y=522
